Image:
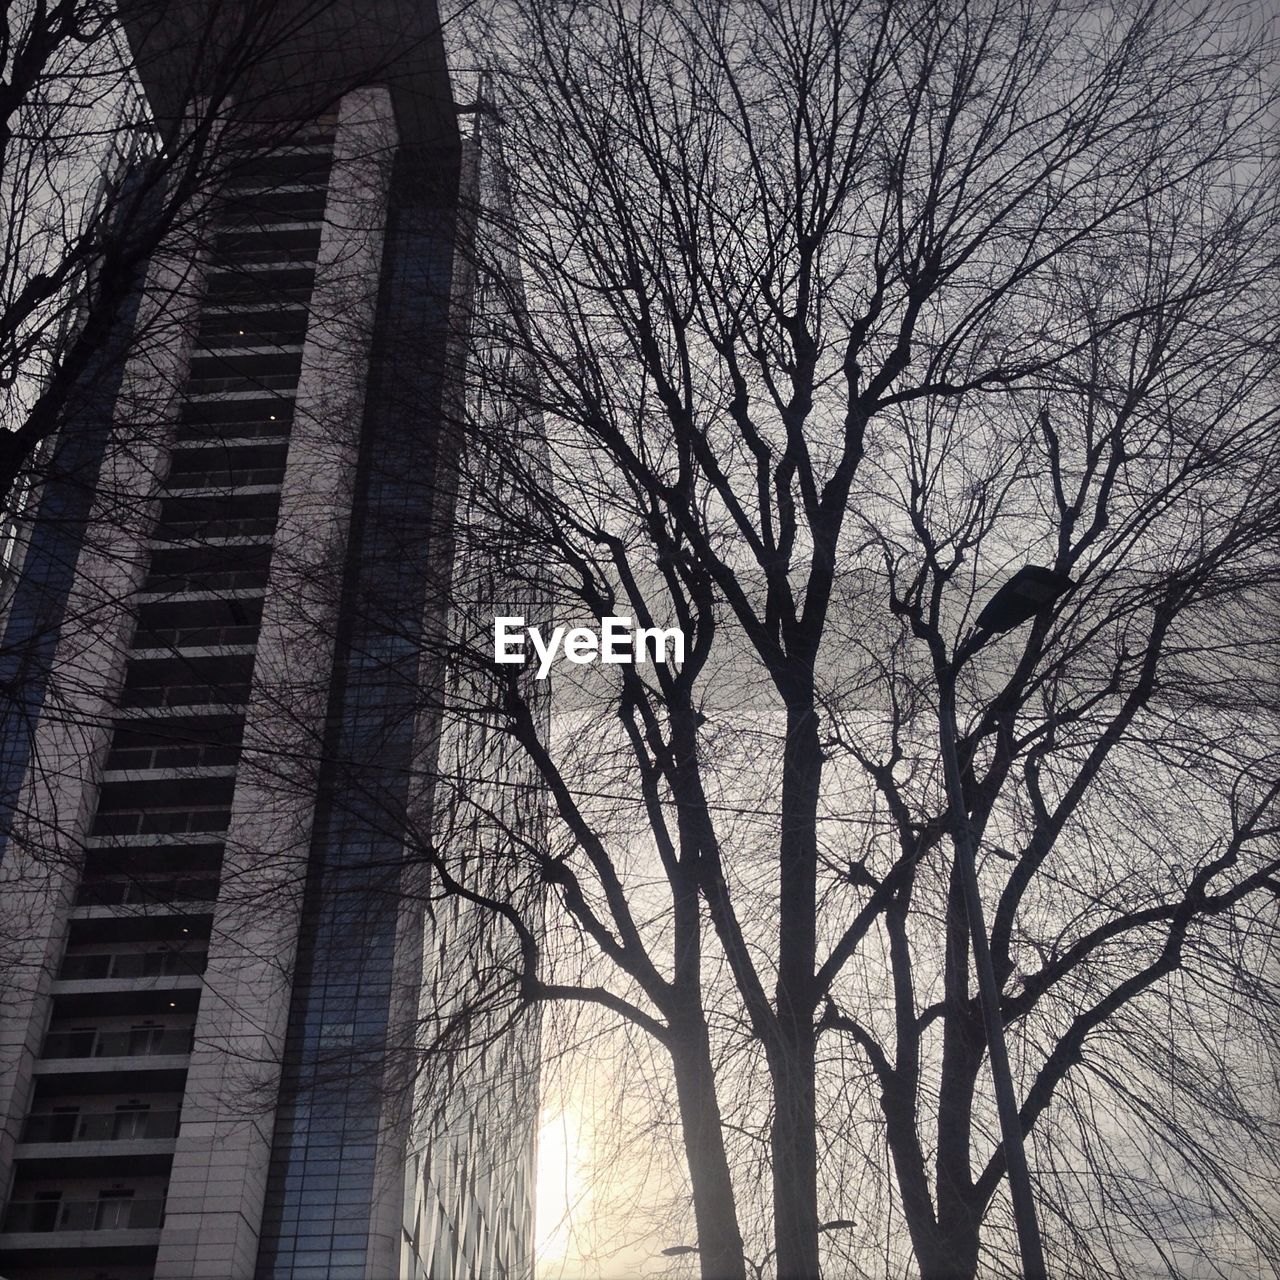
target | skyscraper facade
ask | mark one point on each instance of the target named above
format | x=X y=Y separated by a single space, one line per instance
x=219 y=954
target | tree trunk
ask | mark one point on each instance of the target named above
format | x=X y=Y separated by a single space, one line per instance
x=714 y=1210
x=963 y=1046
x=795 y=1156
x=794 y=1138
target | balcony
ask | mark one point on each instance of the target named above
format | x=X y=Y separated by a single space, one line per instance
x=175 y=754
x=298 y=203
x=295 y=240
x=108 y=1213
x=305 y=166
x=165 y=582
x=197 y=641
x=209 y=460
x=199 y=565
x=123 y=891
x=106 y=1126
x=286 y=287
x=253 y=360
x=129 y=1042
x=95 y=966
x=189 y=694
x=217 y=385
x=182 y=820
x=194 y=624
x=231 y=515
x=206 y=423
x=252 y=325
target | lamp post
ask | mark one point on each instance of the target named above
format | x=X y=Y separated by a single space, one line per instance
x=1029 y=591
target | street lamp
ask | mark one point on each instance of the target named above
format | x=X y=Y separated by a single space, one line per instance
x=1030 y=591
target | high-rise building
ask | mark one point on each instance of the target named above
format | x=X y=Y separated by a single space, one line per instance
x=217 y=653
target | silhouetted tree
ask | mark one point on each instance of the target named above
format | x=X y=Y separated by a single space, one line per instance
x=831 y=317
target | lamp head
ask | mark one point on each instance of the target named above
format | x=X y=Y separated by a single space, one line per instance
x=1029 y=591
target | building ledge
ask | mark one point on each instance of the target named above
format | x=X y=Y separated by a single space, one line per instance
x=217 y=490
x=184 y=597
x=252 y=266
x=291 y=149
x=242 y=189
x=232 y=350
x=178 y=773
x=143 y=1062
x=103 y=1148
x=223 y=443
x=254 y=393
x=215 y=308
x=183 y=907
x=150 y=838
x=193 y=651
x=263 y=222
x=225 y=540
x=44 y=1246
x=104 y=986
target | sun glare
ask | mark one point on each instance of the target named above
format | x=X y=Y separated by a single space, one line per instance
x=560 y=1190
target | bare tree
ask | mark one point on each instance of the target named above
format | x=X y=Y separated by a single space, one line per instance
x=833 y=316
